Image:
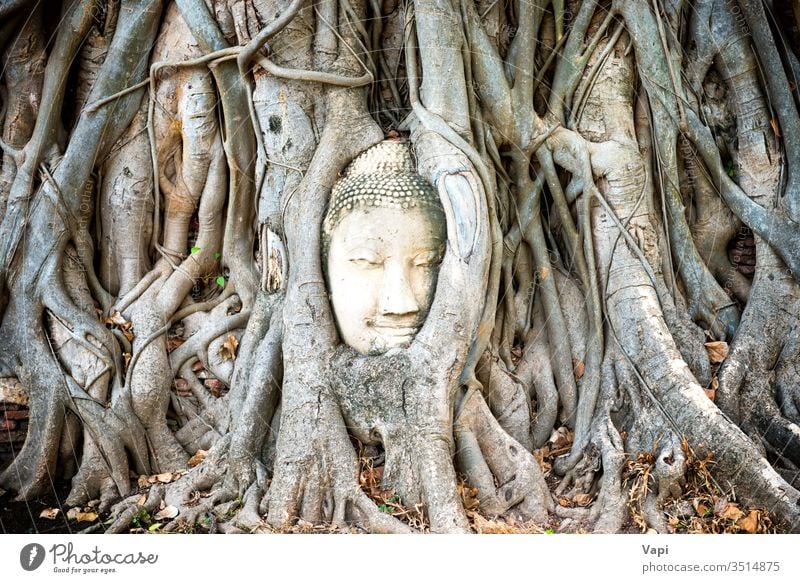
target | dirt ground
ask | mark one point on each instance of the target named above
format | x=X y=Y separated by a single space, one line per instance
x=24 y=517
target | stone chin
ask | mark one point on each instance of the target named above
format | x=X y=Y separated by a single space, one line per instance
x=385 y=340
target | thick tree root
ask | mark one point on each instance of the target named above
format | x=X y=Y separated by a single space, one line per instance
x=488 y=455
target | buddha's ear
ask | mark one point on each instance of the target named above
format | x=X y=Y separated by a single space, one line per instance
x=458 y=193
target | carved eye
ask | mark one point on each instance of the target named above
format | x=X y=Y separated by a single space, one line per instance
x=428 y=259
x=366 y=261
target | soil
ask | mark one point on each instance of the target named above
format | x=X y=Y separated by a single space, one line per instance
x=24 y=517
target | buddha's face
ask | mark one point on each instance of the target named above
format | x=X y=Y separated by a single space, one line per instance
x=382 y=269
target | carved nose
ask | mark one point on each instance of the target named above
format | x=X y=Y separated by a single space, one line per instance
x=397 y=297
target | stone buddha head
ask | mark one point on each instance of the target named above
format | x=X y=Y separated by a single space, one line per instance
x=383 y=239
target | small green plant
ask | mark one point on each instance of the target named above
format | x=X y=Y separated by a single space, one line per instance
x=220 y=281
x=195 y=250
x=387 y=506
x=141 y=519
x=549 y=531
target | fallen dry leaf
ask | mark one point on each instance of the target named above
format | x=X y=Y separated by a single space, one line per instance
x=118 y=320
x=198 y=457
x=50 y=513
x=485 y=526
x=775 y=127
x=717 y=351
x=142 y=499
x=164 y=478
x=228 y=349
x=749 y=523
x=711 y=392
x=583 y=499
x=167 y=512
x=173 y=342
x=732 y=512
x=578 y=368
x=701 y=509
x=560 y=438
x=78 y=516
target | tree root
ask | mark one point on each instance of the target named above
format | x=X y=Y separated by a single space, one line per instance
x=507 y=398
x=487 y=455
x=535 y=371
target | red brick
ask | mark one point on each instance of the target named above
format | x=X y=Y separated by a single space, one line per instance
x=7 y=425
x=214 y=384
x=13 y=436
x=17 y=414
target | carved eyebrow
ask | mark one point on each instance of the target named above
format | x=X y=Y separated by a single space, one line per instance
x=358 y=239
x=364 y=247
x=428 y=255
x=358 y=243
x=427 y=251
x=363 y=253
x=434 y=243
